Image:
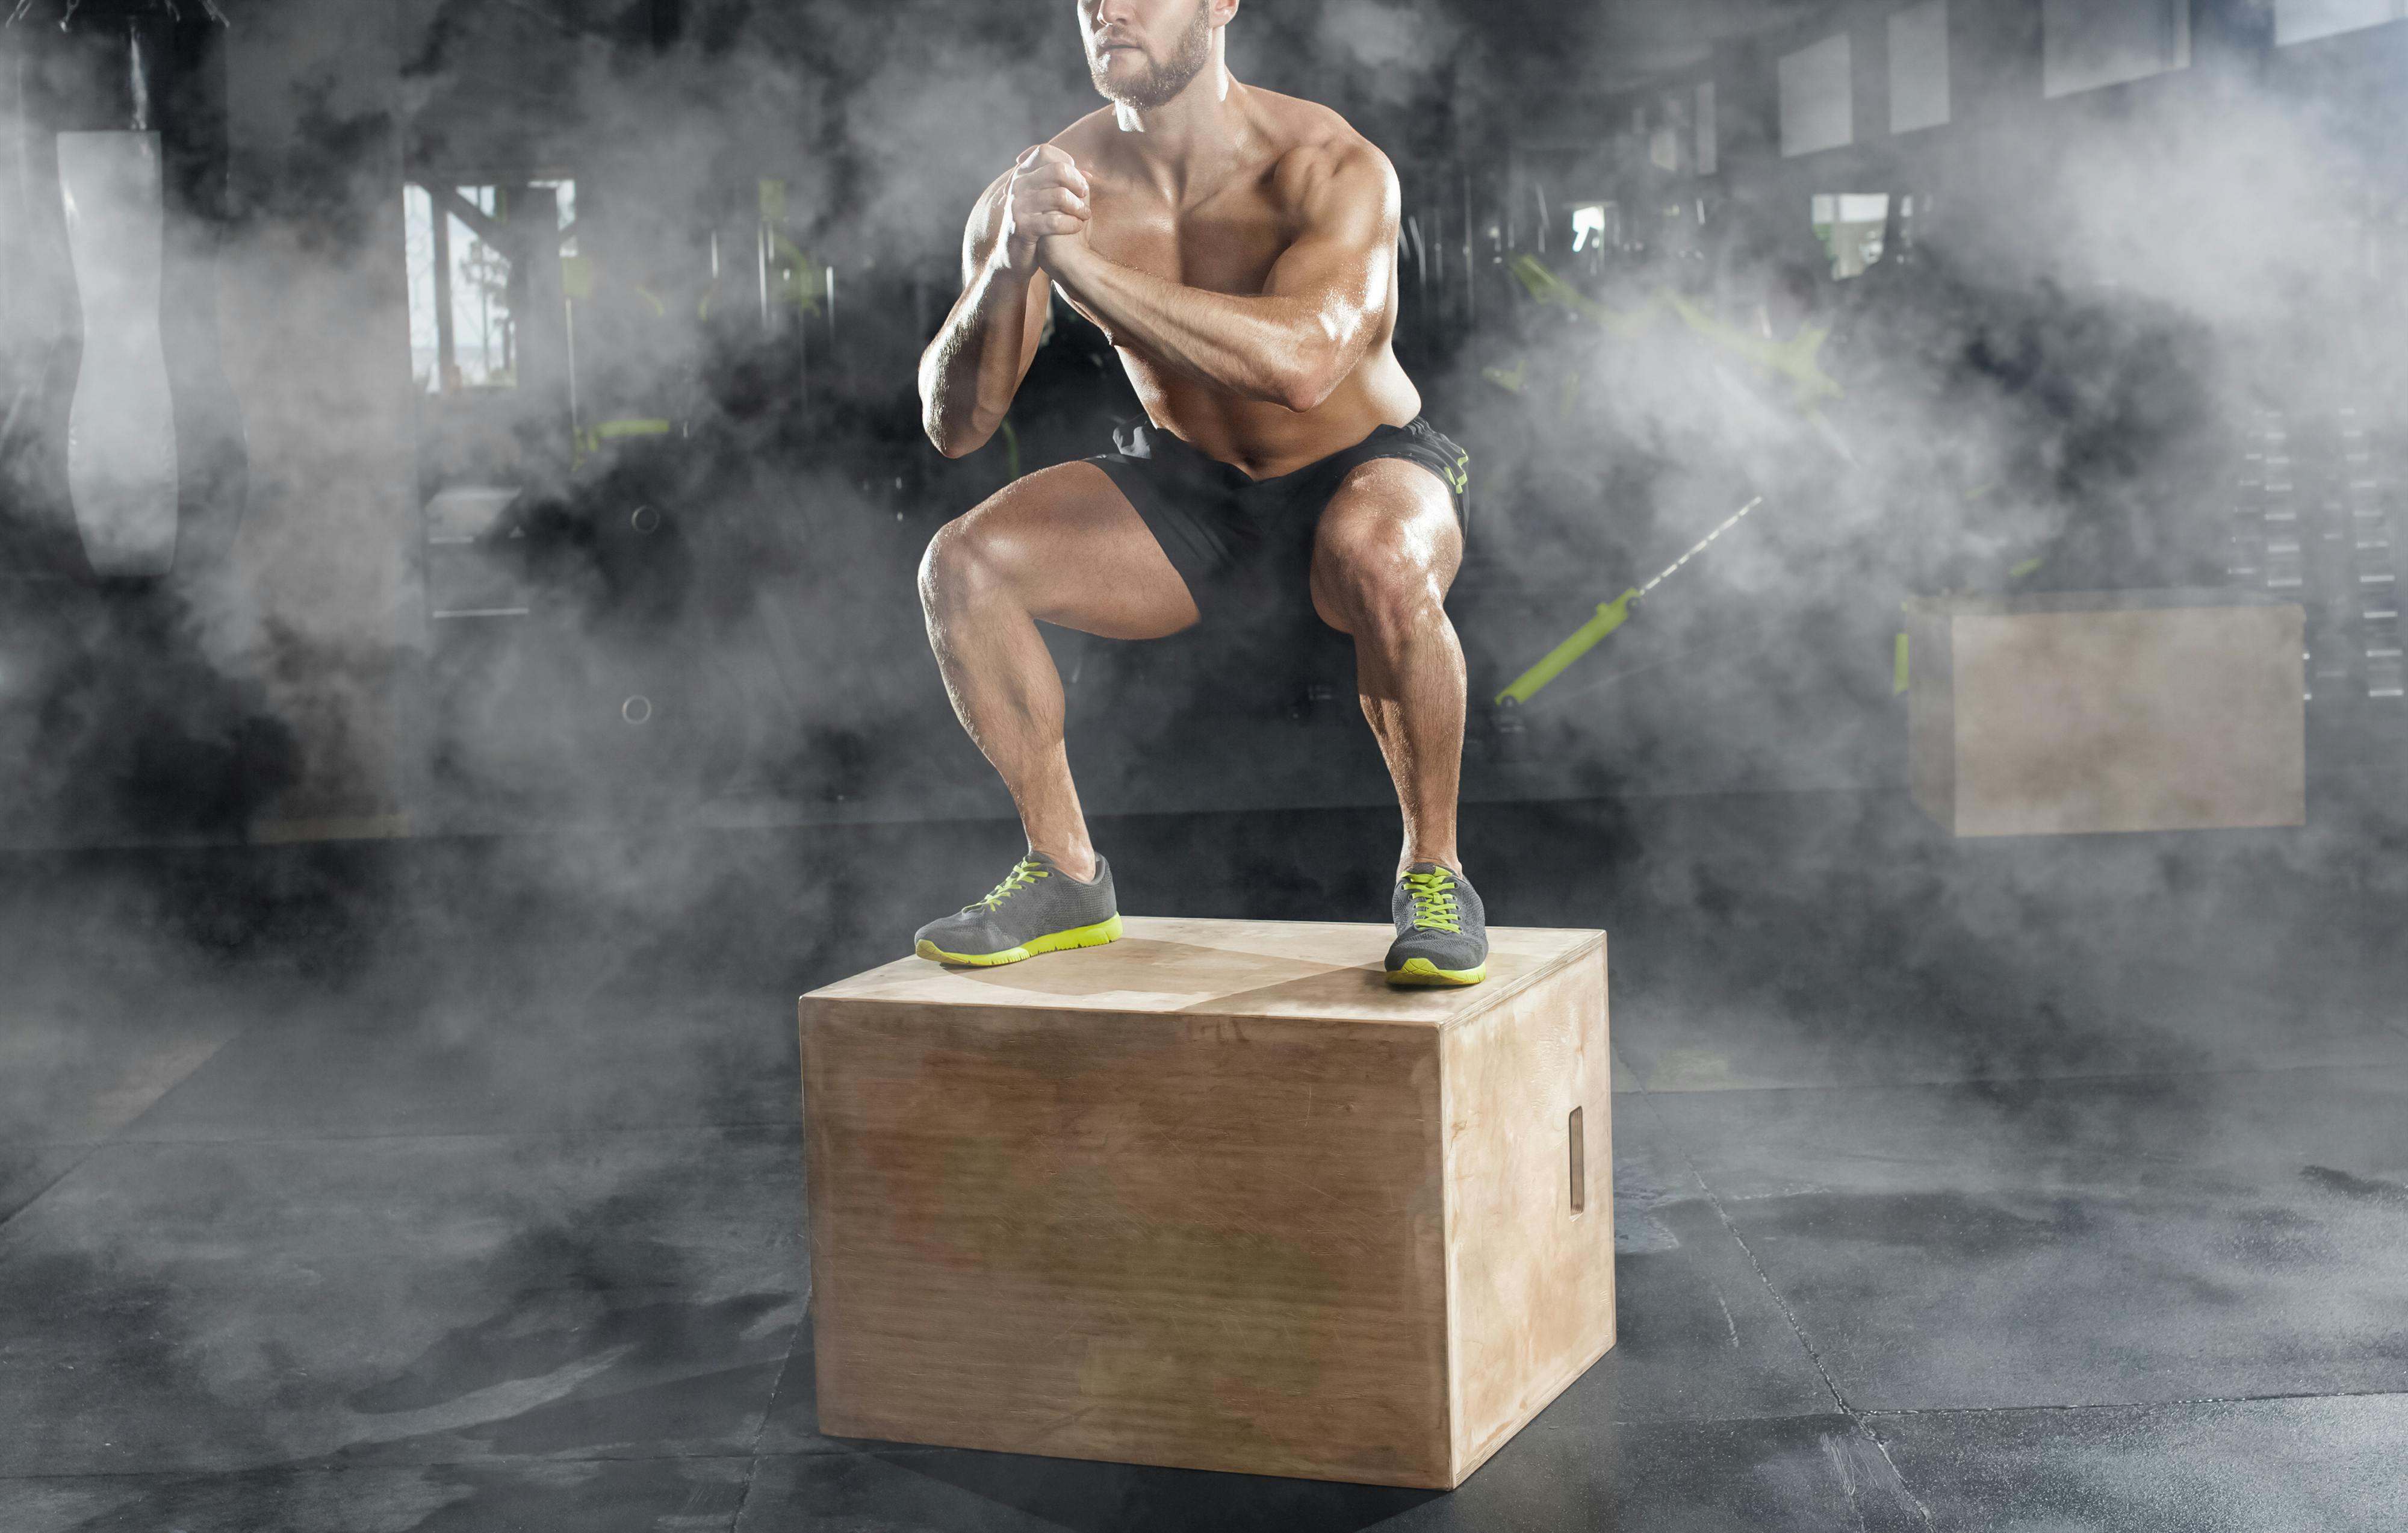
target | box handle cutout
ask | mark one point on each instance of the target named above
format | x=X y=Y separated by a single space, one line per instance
x=1579 y=1167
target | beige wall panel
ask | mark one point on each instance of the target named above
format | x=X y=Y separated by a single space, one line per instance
x=2101 y=711
x=1932 y=713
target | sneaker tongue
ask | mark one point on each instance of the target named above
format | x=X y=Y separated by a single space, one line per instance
x=1422 y=868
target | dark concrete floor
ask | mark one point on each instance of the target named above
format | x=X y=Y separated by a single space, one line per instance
x=2032 y=1185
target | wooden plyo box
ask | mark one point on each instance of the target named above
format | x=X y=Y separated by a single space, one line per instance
x=1213 y=1196
x=2106 y=711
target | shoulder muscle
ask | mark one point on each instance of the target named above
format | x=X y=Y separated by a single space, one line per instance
x=1343 y=183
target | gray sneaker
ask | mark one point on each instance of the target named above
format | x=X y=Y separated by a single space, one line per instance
x=1038 y=908
x=1442 y=931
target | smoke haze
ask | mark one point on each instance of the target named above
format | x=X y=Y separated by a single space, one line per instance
x=419 y=878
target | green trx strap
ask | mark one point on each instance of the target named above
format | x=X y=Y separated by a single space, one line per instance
x=1610 y=616
x=611 y=431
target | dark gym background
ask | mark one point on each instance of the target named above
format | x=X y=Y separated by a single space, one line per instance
x=404 y=897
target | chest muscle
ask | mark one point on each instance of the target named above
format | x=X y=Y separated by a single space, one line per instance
x=1228 y=245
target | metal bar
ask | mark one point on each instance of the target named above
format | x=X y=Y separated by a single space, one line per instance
x=447 y=363
x=485 y=227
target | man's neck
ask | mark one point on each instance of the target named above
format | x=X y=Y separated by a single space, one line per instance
x=1190 y=134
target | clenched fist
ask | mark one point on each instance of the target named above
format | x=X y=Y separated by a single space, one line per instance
x=1046 y=201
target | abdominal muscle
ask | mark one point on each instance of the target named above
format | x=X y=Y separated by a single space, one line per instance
x=1265 y=440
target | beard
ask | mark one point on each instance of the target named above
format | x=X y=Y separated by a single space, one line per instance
x=1164 y=80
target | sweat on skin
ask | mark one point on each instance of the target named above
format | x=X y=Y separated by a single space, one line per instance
x=1237 y=247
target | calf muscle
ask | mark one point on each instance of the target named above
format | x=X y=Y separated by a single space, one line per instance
x=1062 y=546
x=1383 y=557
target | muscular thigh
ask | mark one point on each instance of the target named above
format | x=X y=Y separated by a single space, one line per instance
x=1079 y=554
x=1391 y=523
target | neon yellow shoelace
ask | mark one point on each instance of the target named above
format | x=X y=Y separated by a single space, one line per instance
x=1028 y=872
x=1433 y=901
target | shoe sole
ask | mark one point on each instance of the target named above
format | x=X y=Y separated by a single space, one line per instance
x=1421 y=971
x=1077 y=936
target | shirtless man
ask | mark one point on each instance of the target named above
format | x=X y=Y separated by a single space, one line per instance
x=1238 y=249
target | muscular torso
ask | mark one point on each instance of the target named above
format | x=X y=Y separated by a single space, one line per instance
x=1223 y=231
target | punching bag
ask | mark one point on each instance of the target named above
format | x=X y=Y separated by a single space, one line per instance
x=122 y=455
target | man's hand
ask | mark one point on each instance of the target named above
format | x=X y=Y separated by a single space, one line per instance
x=1319 y=311
x=1046 y=201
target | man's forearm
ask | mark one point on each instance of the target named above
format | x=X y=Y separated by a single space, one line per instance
x=970 y=371
x=1266 y=347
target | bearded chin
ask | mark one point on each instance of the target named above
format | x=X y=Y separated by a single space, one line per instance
x=1161 y=81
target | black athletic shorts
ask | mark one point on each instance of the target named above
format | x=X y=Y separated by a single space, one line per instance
x=1244 y=546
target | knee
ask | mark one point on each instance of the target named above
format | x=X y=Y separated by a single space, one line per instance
x=960 y=562
x=1378 y=573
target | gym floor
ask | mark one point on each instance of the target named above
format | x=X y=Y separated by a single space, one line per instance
x=456 y=1184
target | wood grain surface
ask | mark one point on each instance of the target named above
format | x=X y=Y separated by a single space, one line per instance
x=1530 y=1276
x=1185 y=1200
